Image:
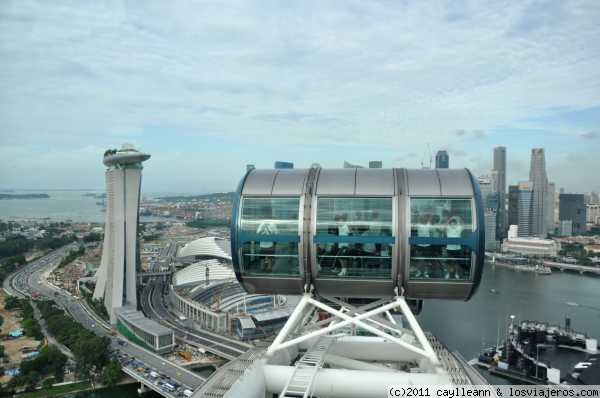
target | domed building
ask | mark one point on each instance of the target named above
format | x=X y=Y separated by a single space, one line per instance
x=207 y=294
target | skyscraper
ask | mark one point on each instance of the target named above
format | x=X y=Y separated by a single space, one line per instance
x=442 y=160
x=572 y=207
x=539 y=181
x=490 y=200
x=116 y=276
x=250 y=167
x=513 y=205
x=549 y=214
x=375 y=164
x=499 y=174
x=525 y=212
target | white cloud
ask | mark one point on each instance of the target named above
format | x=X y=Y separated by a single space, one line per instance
x=363 y=73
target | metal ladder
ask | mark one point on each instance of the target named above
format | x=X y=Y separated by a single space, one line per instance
x=300 y=383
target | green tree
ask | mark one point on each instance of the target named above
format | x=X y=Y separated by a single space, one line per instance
x=111 y=374
x=12 y=303
x=32 y=328
x=47 y=383
x=31 y=380
x=91 y=354
x=92 y=237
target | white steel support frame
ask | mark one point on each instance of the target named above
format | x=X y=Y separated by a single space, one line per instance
x=294 y=323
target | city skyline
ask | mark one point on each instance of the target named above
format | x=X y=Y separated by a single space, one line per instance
x=354 y=89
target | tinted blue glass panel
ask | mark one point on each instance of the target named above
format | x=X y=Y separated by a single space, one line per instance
x=269 y=236
x=441 y=239
x=354 y=238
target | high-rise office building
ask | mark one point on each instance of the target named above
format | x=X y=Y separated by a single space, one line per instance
x=592 y=214
x=549 y=213
x=525 y=212
x=499 y=176
x=565 y=228
x=116 y=277
x=283 y=165
x=513 y=205
x=539 y=181
x=491 y=244
x=490 y=200
x=572 y=207
x=442 y=160
x=375 y=164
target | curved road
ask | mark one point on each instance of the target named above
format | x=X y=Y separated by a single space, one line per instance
x=29 y=280
x=153 y=305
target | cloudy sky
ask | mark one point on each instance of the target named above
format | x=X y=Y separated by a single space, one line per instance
x=207 y=87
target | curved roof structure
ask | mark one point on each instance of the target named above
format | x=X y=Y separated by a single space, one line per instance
x=196 y=273
x=127 y=155
x=209 y=247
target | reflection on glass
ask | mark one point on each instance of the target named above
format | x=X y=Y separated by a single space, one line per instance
x=355 y=260
x=355 y=216
x=270 y=228
x=440 y=227
x=270 y=216
x=281 y=259
x=354 y=237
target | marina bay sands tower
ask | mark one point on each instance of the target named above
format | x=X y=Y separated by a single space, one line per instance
x=116 y=276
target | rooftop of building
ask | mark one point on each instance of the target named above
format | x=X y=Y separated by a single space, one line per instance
x=198 y=272
x=530 y=241
x=207 y=247
x=127 y=155
x=138 y=319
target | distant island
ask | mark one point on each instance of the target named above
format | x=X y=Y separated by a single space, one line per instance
x=95 y=195
x=24 y=196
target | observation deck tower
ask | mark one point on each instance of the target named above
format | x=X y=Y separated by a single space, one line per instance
x=116 y=277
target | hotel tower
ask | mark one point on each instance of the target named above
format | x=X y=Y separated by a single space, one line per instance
x=116 y=277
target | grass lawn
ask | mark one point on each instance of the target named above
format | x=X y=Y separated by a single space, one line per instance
x=56 y=391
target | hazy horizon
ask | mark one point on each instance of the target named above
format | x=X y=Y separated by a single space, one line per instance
x=206 y=88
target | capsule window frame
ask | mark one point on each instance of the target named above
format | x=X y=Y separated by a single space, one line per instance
x=471 y=241
x=391 y=240
x=243 y=237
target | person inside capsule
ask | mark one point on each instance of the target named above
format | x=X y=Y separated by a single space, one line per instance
x=422 y=251
x=267 y=249
x=454 y=229
x=434 y=219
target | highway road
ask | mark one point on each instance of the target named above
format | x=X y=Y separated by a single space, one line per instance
x=154 y=306
x=29 y=281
